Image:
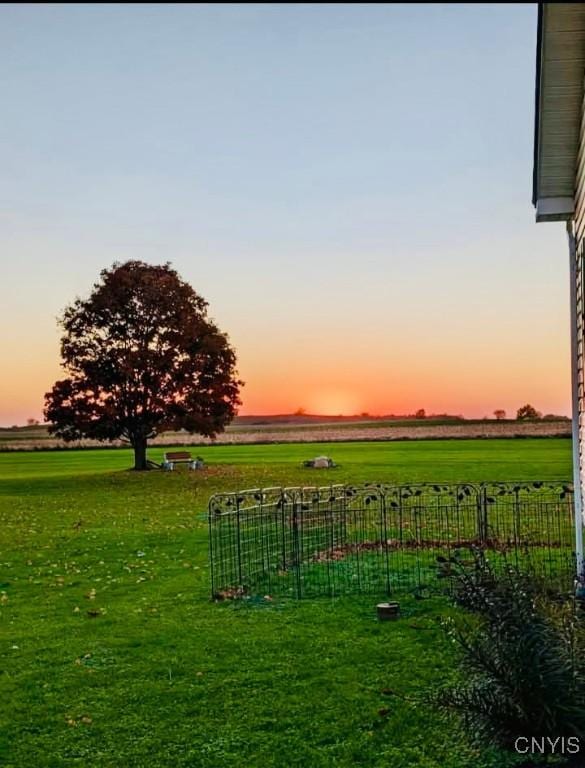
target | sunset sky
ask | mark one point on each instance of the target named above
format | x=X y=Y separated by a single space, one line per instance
x=348 y=186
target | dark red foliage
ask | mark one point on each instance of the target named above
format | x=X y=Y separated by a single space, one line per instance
x=142 y=357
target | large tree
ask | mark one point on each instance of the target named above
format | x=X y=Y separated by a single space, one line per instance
x=141 y=356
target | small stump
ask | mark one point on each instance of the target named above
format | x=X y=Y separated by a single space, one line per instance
x=388 y=611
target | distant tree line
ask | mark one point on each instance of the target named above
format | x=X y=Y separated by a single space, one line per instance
x=529 y=413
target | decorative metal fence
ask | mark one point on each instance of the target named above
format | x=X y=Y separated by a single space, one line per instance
x=382 y=538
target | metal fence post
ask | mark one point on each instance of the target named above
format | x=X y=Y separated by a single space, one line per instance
x=211 y=551
x=385 y=540
x=238 y=541
x=482 y=513
x=296 y=553
x=283 y=527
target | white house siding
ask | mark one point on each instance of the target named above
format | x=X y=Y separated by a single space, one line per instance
x=579 y=230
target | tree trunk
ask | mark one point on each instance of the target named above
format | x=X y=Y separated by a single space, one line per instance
x=139 y=446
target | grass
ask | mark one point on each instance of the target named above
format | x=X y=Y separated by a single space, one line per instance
x=113 y=655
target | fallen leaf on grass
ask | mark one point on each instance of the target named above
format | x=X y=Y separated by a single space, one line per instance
x=73 y=723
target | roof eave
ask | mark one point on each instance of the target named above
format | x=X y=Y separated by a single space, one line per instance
x=554 y=208
x=537 y=104
x=560 y=69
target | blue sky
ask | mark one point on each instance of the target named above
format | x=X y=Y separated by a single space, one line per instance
x=348 y=185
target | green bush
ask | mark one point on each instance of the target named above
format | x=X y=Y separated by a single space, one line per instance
x=522 y=657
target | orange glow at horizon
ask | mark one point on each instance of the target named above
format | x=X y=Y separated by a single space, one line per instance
x=454 y=392
x=333 y=403
x=379 y=366
x=396 y=379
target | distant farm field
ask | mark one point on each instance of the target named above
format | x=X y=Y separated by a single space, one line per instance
x=292 y=430
x=112 y=653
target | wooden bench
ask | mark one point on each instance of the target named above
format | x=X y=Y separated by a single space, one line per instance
x=180 y=457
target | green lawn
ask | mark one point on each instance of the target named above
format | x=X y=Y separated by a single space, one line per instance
x=113 y=655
